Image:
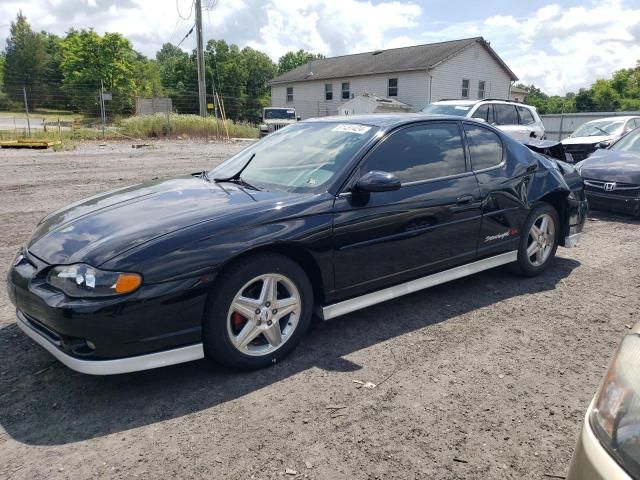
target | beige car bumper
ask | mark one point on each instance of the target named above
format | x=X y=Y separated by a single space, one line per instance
x=591 y=461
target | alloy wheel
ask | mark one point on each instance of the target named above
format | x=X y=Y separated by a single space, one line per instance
x=264 y=314
x=541 y=240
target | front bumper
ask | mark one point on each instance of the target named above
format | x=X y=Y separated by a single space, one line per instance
x=591 y=461
x=153 y=321
x=111 y=367
x=616 y=203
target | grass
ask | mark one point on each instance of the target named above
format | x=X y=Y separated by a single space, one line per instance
x=49 y=114
x=189 y=126
x=148 y=126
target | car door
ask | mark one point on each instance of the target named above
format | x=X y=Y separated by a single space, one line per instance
x=501 y=189
x=430 y=223
x=528 y=122
x=506 y=119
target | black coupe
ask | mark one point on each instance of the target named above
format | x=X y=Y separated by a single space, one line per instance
x=612 y=176
x=326 y=216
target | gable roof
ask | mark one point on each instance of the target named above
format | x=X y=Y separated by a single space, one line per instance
x=416 y=57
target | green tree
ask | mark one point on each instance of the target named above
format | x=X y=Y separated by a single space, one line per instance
x=291 y=60
x=179 y=77
x=25 y=61
x=88 y=59
x=4 y=99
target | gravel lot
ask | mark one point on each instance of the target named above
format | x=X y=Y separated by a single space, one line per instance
x=487 y=377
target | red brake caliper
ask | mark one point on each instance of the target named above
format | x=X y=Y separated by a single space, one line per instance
x=237 y=320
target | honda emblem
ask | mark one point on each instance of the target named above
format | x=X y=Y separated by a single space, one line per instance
x=609 y=186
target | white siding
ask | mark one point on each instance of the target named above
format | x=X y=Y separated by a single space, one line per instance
x=309 y=99
x=474 y=63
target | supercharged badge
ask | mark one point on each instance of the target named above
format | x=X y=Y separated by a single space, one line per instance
x=499 y=236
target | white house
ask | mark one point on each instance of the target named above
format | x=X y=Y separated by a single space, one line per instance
x=416 y=75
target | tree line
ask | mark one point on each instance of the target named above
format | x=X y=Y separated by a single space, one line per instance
x=67 y=73
x=620 y=93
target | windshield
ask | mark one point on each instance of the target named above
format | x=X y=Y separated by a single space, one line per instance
x=447 y=109
x=299 y=158
x=279 y=114
x=599 y=128
x=628 y=143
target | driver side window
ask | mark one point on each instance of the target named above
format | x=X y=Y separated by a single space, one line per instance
x=420 y=152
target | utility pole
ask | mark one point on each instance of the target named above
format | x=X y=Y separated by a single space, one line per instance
x=26 y=109
x=102 y=112
x=202 y=87
x=213 y=94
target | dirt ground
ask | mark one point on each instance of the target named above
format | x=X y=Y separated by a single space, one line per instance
x=487 y=377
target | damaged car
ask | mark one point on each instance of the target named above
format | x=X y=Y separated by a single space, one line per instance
x=612 y=176
x=596 y=134
x=325 y=217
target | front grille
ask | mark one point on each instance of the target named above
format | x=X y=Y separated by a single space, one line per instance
x=612 y=188
x=579 y=152
x=278 y=126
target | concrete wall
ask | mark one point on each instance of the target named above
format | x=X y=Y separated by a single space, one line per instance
x=474 y=63
x=148 y=106
x=560 y=125
x=309 y=98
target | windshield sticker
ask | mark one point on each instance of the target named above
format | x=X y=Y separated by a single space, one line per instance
x=291 y=111
x=461 y=107
x=351 y=128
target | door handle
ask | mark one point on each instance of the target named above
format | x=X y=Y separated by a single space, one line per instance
x=464 y=199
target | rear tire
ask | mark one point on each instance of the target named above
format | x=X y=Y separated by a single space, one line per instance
x=538 y=241
x=257 y=312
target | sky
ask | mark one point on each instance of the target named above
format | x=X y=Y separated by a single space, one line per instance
x=558 y=46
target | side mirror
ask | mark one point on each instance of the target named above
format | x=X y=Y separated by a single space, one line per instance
x=298 y=118
x=602 y=145
x=377 y=181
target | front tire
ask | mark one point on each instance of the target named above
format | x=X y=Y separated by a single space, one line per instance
x=257 y=312
x=538 y=241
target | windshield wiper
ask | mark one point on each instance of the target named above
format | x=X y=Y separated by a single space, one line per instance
x=236 y=177
x=603 y=131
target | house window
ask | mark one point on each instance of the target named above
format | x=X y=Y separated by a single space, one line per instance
x=328 y=91
x=465 y=88
x=392 y=89
x=289 y=94
x=481 y=85
x=345 y=90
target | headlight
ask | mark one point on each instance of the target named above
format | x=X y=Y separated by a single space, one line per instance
x=264 y=128
x=615 y=418
x=80 y=280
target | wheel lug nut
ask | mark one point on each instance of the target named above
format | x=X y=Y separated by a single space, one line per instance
x=268 y=304
x=274 y=311
x=257 y=311
x=269 y=323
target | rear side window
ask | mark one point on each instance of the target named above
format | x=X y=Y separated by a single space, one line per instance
x=485 y=147
x=526 y=118
x=485 y=112
x=420 y=152
x=505 y=114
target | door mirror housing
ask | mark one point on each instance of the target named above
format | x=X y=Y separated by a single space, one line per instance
x=602 y=145
x=377 y=181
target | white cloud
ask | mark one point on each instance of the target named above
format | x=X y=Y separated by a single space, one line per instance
x=557 y=48
x=561 y=50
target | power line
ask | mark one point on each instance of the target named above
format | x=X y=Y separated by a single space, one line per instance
x=185 y=37
x=178 y=9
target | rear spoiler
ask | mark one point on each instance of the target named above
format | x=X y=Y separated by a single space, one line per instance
x=550 y=148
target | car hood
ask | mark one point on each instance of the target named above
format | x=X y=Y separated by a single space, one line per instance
x=101 y=227
x=588 y=140
x=612 y=166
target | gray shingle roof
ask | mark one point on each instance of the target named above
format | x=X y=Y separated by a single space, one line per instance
x=417 y=57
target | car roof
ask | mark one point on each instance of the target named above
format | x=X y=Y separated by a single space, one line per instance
x=385 y=120
x=456 y=102
x=617 y=117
